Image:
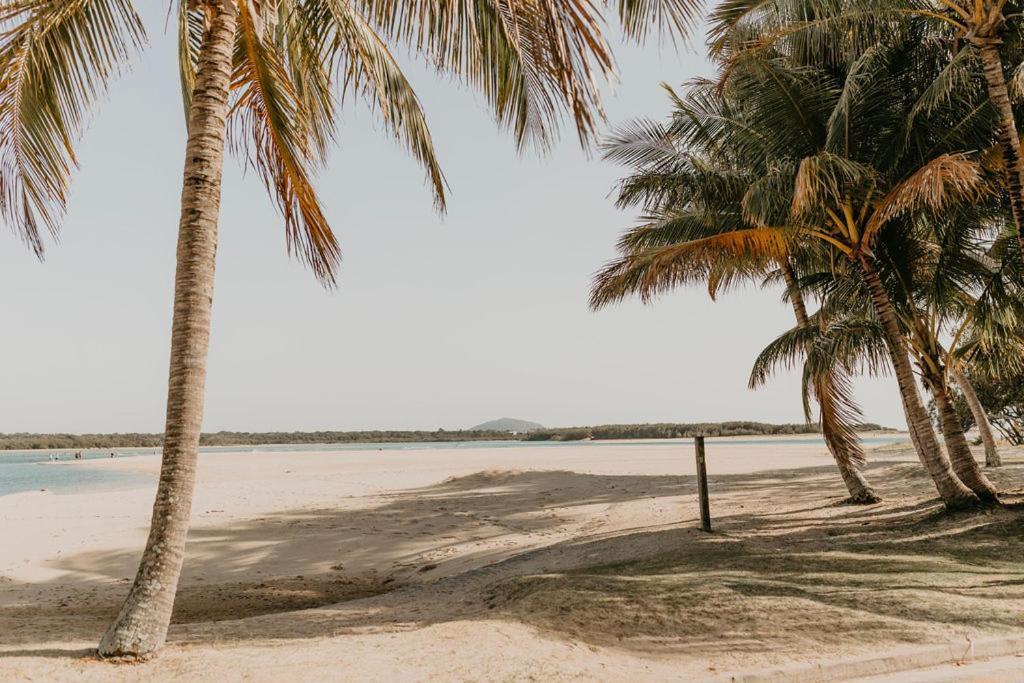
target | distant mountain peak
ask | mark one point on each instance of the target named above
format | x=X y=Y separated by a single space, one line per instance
x=507 y=424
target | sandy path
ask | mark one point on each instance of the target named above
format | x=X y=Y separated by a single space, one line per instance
x=447 y=535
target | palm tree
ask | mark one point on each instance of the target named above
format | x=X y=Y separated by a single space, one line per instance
x=998 y=383
x=819 y=31
x=832 y=158
x=978 y=413
x=936 y=296
x=261 y=73
x=838 y=411
x=831 y=348
x=931 y=269
x=992 y=458
x=690 y=244
x=928 y=267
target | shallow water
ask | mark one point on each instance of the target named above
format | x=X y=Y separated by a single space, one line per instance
x=34 y=471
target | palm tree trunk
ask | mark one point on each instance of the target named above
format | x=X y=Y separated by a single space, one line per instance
x=844 y=452
x=141 y=627
x=960 y=456
x=952 y=491
x=1009 y=140
x=988 y=438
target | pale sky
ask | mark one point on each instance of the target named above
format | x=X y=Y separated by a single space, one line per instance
x=437 y=322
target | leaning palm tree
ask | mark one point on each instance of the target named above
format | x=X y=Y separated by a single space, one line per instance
x=991 y=357
x=829 y=351
x=690 y=242
x=947 y=290
x=978 y=413
x=263 y=75
x=926 y=281
x=827 y=381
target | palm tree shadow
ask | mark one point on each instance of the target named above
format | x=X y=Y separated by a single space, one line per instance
x=53 y=653
x=782 y=545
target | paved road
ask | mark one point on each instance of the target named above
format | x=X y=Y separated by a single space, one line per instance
x=996 y=670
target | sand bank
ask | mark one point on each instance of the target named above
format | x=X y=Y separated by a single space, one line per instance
x=510 y=563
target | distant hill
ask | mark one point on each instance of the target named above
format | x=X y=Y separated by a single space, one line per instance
x=507 y=424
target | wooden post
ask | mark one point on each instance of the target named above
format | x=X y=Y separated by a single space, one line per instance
x=702 y=485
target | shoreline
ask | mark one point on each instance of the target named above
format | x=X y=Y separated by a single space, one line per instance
x=105 y=474
x=756 y=448
x=440 y=445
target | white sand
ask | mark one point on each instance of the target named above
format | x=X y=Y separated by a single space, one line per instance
x=275 y=533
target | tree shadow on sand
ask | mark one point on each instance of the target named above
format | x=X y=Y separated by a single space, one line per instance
x=786 y=570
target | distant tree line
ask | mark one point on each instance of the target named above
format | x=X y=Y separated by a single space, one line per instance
x=26 y=441
x=681 y=430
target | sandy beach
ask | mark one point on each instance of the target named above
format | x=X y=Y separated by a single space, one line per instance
x=553 y=563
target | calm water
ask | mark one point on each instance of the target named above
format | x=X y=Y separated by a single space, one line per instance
x=33 y=470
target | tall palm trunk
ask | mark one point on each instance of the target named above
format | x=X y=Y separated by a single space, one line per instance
x=141 y=626
x=844 y=451
x=953 y=492
x=1009 y=140
x=960 y=456
x=988 y=438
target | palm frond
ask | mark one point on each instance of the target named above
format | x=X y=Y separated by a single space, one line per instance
x=858 y=80
x=370 y=68
x=951 y=81
x=57 y=58
x=839 y=416
x=533 y=60
x=944 y=179
x=823 y=177
x=785 y=352
x=673 y=18
x=653 y=271
x=191 y=25
x=643 y=143
x=269 y=127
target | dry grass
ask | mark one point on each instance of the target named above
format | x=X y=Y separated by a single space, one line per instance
x=794 y=583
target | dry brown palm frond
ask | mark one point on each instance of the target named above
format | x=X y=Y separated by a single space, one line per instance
x=821 y=179
x=650 y=272
x=943 y=180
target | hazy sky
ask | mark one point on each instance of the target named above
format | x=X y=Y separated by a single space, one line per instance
x=438 y=322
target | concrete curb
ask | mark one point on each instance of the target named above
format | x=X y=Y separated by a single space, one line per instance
x=936 y=655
